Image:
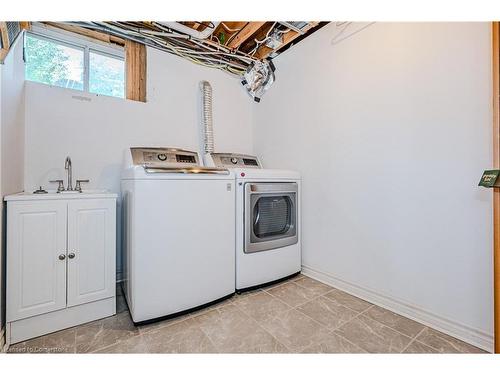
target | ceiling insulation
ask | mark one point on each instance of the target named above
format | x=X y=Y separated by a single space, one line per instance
x=242 y=49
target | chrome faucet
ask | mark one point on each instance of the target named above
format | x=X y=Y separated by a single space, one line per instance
x=78 y=186
x=67 y=166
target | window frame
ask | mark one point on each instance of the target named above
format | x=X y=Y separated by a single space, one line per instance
x=72 y=40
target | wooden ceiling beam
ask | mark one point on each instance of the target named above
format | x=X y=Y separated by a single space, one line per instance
x=245 y=33
x=197 y=25
x=5 y=41
x=200 y=26
x=226 y=30
x=103 y=37
x=25 y=25
x=288 y=38
x=261 y=34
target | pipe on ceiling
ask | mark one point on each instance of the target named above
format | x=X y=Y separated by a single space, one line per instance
x=177 y=26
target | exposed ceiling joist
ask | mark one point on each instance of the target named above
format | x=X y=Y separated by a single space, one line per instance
x=103 y=37
x=240 y=48
x=250 y=29
x=227 y=31
x=243 y=40
x=264 y=51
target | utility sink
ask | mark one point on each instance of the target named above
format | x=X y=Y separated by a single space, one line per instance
x=75 y=192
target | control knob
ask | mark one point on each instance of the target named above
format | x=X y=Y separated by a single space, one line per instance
x=162 y=157
x=234 y=160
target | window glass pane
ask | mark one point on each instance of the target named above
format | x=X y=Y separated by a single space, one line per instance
x=106 y=75
x=54 y=64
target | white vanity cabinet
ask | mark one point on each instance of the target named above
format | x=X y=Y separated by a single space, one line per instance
x=61 y=251
x=91 y=250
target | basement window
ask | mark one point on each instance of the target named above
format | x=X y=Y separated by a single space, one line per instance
x=106 y=74
x=75 y=64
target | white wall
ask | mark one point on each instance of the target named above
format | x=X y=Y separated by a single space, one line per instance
x=11 y=139
x=391 y=129
x=95 y=132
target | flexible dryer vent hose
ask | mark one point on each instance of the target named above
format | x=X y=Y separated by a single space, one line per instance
x=206 y=90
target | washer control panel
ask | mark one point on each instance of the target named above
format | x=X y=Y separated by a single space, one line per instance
x=164 y=157
x=228 y=160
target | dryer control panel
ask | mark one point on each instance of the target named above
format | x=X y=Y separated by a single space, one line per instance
x=164 y=157
x=228 y=160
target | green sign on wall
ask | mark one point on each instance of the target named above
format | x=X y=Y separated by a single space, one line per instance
x=489 y=178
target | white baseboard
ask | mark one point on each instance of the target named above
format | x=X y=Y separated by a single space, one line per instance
x=470 y=335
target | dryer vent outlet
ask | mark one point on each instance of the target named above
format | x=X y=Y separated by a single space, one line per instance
x=207 y=116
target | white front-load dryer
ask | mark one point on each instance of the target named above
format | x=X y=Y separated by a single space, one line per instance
x=268 y=238
x=268 y=246
x=178 y=233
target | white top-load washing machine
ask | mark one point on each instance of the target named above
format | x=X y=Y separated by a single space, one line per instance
x=268 y=237
x=178 y=232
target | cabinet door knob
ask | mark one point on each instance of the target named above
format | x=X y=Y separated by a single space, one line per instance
x=62 y=257
x=71 y=255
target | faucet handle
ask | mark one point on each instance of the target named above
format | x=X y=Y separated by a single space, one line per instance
x=60 y=187
x=78 y=186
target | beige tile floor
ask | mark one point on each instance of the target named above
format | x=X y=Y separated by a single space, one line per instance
x=297 y=316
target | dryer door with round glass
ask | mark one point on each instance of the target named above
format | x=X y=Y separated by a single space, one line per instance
x=270 y=216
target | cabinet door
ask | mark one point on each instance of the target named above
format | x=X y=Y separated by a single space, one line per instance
x=36 y=252
x=91 y=250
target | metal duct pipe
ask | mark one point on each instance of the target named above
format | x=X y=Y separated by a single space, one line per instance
x=207 y=120
x=189 y=31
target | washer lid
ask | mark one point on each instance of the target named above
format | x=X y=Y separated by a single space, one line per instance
x=154 y=162
x=139 y=172
x=194 y=170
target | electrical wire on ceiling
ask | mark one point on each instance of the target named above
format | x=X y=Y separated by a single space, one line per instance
x=232 y=36
x=204 y=47
x=228 y=29
x=208 y=53
x=258 y=43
